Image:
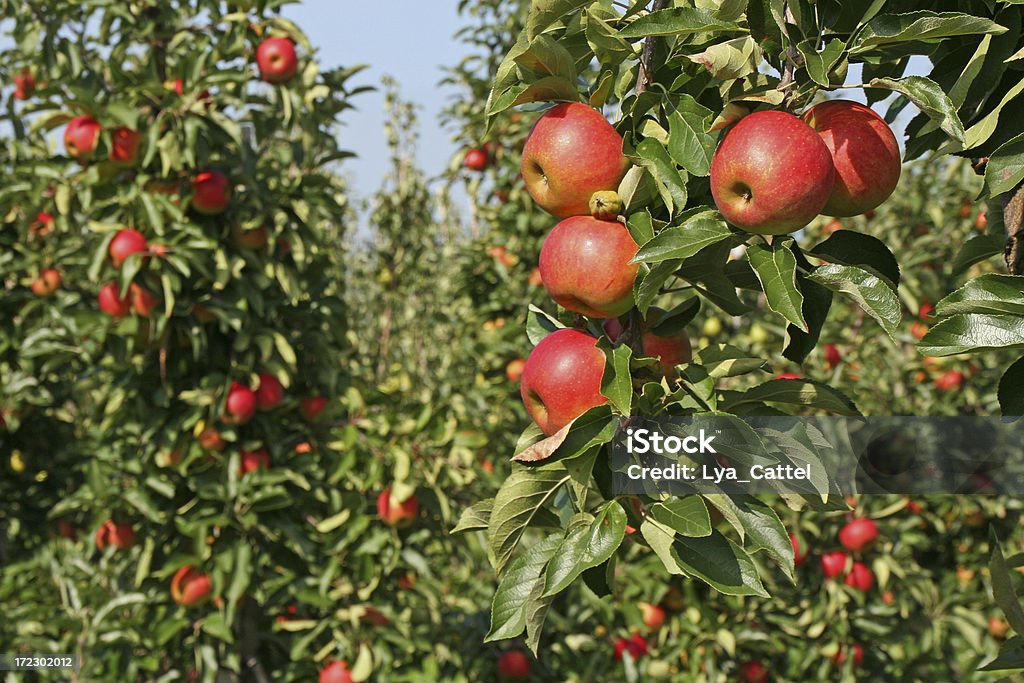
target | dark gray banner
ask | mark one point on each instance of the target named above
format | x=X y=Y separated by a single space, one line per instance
x=818 y=455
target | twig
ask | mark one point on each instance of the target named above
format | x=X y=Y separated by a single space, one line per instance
x=1012 y=204
x=647 y=55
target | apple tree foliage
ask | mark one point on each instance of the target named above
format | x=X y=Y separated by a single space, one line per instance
x=675 y=72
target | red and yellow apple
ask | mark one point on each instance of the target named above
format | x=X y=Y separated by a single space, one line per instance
x=117 y=534
x=190 y=587
x=125 y=243
x=400 y=513
x=254 y=460
x=240 y=405
x=562 y=379
x=211 y=192
x=81 y=137
x=336 y=672
x=124 y=146
x=276 y=60
x=112 y=303
x=47 y=283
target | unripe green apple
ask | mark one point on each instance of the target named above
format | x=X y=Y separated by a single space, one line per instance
x=606 y=205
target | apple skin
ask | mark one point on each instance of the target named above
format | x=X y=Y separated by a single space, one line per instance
x=860 y=577
x=476 y=159
x=111 y=533
x=949 y=380
x=211 y=193
x=636 y=646
x=276 y=60
x=111 y=302
x=753 y=672
x=190 y=587
x=832 y=356
x=254 y=460
x=43 y=224
x=670 y=351
x=125 y=243
x=798 y=559
x=240 y=405
x=336 y=672
x=858 y=534
x=81 y=137
x=394 y=513
x=269 y=393
x=514 y=665
x=653 y=616
x=255 y=239
x=24 y=85
x=124 y=146
x=562 y=379
x=571 y=153
x=312 y=407
x=833 y=564
x=771 y=174
x=514 y=369
x=211 y=440
x=864 y=152
x=47 y=283
x=858 y=655
x=585 y=266
x=143 y=301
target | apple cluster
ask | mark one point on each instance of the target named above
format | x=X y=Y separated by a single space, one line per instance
x=572 y=163
x=773 y=172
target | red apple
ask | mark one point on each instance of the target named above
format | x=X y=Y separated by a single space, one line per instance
x=514 y=369
x=269 y=393
x=24 y=85
x=240 y=405
x=562 y=379
x=211 y=192
x=253 y=460
x=585 y=266
x=255 y=239
x=864 y=152
x=798 y=559
x=190 y=586
x=514 y=665
x=832 y=356
x=771 y=174
x=858 y=534
x=67 y=530
x=43 y=224
x=787 y=375
x=653 y=616
x=211 y=440
x=125 y=243
x=312 y=407
x=476 y=159
x=47 y=283
x=636 y=646
x=860 y=577
x=143 y=301
x=397 y=513
x=276 y=60
x=671 y=350
x=336 y=672
x=81 y=137
x=118 y=534
x=111 y=301
x=124 y=146
x=949 y=380
x=858 y=655
x=571 y=153
x=833 y=564
x=753 y=672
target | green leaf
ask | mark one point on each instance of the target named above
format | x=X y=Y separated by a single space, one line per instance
x=677 y=21
x=977 y=249
x=1005 y=167
x=968 y=333
x=585 y=545
x=544 y=13
x=820 y=62
x=929 y=98
x=616 y=382
x=689 y=144
x=730 y=59
x=817 y=302
x=1011 y=390
x=512 y=597
x=723 y=360
x=981 y=131
x=546 y=56
x=989 y=293
x=1002 y=586
x=683 y=241
x=775 y=266
x=889 y=29
x=687 y=515
x=647 y=286
x=671 y=184
x=800 y=392
x=475 y=517
x=870 y=292
x=547 y=89
x=522 y=494
x=852 y=248
x=539 y=325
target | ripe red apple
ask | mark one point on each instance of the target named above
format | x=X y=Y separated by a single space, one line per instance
x=949 y=380
x=787 y=375
x=240 y=405
x=66 y=529
x=81 y=137
x=860 y=577
x=585 y=266
x=571 y=153
x=832 y=356
x=864 y=153
x=124 y=146
x=24 y=85
x=562 y=379
x=798 y=559
x=771 y=174
x=514 y=665
x=397 y=513
x=514 y=369
x=111 y=301
x=858 y=534
x=535 y=280
x=43 y=224
x=118 y=534
x=753 y=672
x=276 y=60
x=269 y=393
x=255 y=239
x=252 y=460
x=211 y=440
x=636 y=646
x=833 y=564
x=143 y=301
x=312 y=407
x=670 y=351
x=47 y=283
x=211 y=192
x=125 y=243
x=858 y=655
x=190 y=586
x=653 y=616
x=476 y=159
x=336 y=672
